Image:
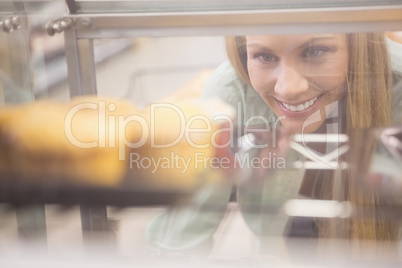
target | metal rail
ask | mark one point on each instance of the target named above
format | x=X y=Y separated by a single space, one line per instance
x=245 y=22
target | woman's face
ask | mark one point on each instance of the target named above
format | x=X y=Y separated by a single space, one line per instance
x=299 y=75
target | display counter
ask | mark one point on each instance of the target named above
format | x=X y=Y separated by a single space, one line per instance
x=237 y=206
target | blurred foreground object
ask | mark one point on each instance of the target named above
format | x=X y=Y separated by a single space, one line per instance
x=385 y=170
x=185 y=144
x=63 y=141
x=103 y=141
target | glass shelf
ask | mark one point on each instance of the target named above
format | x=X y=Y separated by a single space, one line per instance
x=100 y=6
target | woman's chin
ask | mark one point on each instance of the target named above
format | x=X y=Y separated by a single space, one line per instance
x=299 y=127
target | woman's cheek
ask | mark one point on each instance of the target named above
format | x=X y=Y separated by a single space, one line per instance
x=332 y=73
x=327 y=81
x=252 y=72
x=259 y=79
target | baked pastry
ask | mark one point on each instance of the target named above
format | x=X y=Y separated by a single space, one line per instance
x=186 y=145
x=171 y=145
x=73 y=141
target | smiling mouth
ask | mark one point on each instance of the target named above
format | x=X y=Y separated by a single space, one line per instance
x=301 y=107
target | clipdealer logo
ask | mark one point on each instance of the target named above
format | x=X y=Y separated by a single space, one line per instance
x=111 y=133
x=112 y=128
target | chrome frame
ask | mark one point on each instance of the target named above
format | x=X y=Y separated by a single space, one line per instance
x=86 y=27
x=250 y=22
x=80 y=64
x=135 y=6
x=31 y=221
x=17 y=38
x=279 y=21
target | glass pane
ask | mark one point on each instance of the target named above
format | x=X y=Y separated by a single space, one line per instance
x=291 y=149
x=47 y=53
x=154 y=67
x=32 y=62
x=15 y=78
x=91 y=6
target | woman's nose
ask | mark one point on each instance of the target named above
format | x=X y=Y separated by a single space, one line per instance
x=290 y=82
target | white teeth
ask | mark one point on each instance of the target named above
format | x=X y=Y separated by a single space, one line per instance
x=299 y=107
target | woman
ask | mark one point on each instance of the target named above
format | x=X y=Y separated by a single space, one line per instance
x=306 y=81
x=337 y=65
x=312 y=84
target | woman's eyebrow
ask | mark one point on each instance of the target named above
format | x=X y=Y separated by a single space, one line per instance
x=316 y=38
x=305 y=44
x=259 y=46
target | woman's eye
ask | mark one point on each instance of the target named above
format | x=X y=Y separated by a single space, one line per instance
x=266 y=57
x=313 y=52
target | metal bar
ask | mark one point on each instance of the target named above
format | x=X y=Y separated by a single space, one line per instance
x=7 y=7
x=242 y=30
x=93 y=218
x=247 y=17
x=281 y=21
x=20 y=56
x=19 y=62
x=80 y=64
x=94 y=226
x=202 y=5
x=87 y=66
x=31 y=222
x=71 y=6
x=73 y=63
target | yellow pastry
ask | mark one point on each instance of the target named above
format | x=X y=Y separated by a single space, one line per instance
x=172 y=145
x=181 y=151
x=73 y=141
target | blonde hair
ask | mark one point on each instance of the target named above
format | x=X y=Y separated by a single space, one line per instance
x=369 y=78
x=368 y=104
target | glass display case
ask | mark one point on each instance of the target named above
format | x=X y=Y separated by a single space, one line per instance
x=290 y=151
x=15 y=85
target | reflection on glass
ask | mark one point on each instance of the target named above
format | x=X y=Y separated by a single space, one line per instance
x=146 y=70
x=314 y=152
x=15 y=85
x=385 y=169
x=91 y=6
x=333 y=85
